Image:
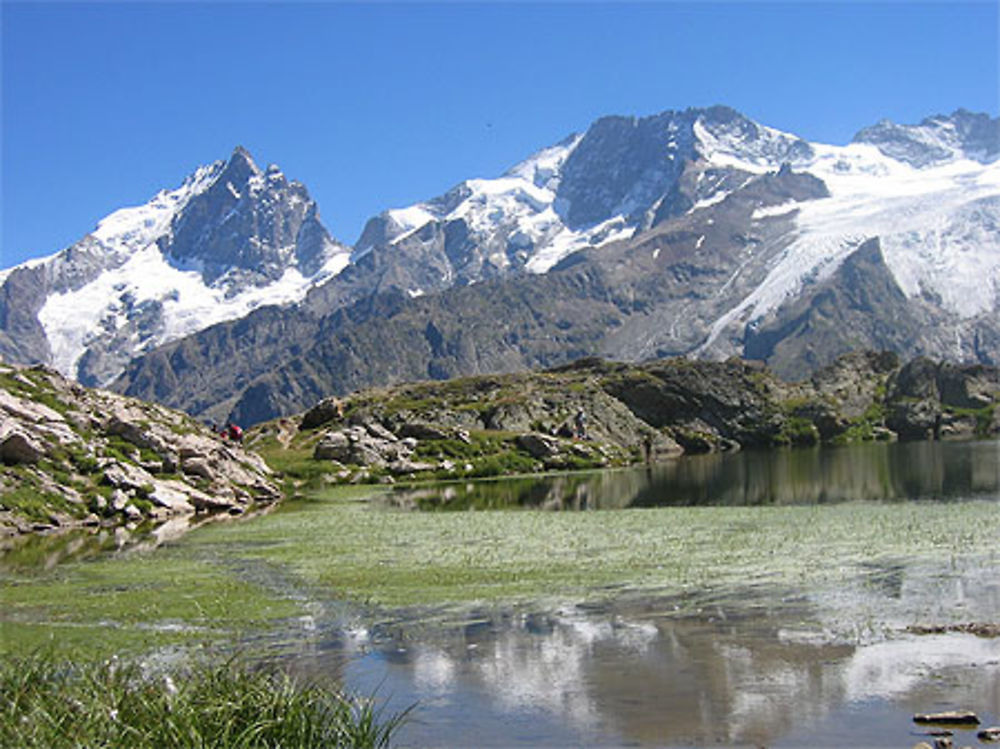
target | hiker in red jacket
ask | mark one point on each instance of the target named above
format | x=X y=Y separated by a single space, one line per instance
x=234 y=432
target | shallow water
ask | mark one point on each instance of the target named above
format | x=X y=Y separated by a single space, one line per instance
x=584 y=678
x=753 y=649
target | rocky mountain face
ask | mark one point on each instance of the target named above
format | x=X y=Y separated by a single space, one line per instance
x=598 y=413
x=696 y=232
x=624 y=175
x=231 y=238
x=70 y=456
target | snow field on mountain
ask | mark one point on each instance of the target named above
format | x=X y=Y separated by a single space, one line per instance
x=72 y=319
x=938 y=228
x=138 y=226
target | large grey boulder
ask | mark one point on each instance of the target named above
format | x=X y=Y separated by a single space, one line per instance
x=368 y=444
x=17 y=447
x=539 y=446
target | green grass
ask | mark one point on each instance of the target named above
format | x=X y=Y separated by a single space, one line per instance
x=367 y=554
x=136 y=602
x=983 y=417
x=797 y=431
x=30 y=499
x=49 y=703
x=863 y=429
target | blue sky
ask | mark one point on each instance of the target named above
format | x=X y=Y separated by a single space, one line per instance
x=377 y=105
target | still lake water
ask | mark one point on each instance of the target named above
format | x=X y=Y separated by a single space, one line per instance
x=827 y=663
x=828 y=667
x=872 y=472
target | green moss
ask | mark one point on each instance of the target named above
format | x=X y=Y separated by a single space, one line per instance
x=983 y=417
x=119 y=448
x=865 y=427
x=507 y=463
x=296 y=465
x=405 y=558
x=797 y=431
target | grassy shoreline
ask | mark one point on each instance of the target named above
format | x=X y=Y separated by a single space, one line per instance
x=50 y=703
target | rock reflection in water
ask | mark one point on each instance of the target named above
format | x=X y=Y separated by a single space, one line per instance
x=35 y=553
x=916 y=470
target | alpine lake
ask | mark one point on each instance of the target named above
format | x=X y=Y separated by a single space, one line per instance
x=784 y=598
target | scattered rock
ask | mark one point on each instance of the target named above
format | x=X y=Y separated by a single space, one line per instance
x=108 y=440
x=423 y=431
x=379 y=432
x=118 y=500
x=133 y=513
x=29 y=411
x=404 y=466
x=170 y=497
x=981 y=629
x=322 y=413
x=333 y=446
x=539 y=446
x=953 y=717
x=197 y=465
x=127 y=476
x=989 y=734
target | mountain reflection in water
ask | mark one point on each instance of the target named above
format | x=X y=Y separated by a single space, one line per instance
x=899 y=471
x=737 y=675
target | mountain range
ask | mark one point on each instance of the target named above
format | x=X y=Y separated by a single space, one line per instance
x=696 y=232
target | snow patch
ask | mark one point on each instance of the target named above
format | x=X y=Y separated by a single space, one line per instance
x=565 y=242
x=715 y=197
x=412 y=218
x=771 y=211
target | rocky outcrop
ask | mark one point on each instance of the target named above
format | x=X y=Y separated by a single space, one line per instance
x=70 y=455
x=596 y=413
x=941 y=400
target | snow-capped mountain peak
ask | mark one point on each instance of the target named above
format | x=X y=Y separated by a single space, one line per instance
x=713 y=226
x=937 y=139
x=230 y=238
x=726 y=138
x=589 y=190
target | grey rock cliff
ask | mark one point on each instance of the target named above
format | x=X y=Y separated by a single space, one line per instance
x=70 y=455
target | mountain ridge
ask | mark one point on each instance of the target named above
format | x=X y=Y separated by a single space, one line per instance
x=711 y=225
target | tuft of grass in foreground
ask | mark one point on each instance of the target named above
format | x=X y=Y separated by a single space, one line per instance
x=54 y=704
